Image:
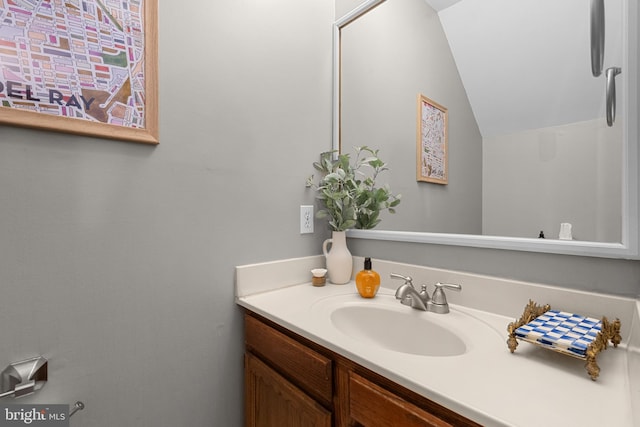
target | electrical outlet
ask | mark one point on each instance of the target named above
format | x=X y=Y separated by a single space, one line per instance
x=306 y=219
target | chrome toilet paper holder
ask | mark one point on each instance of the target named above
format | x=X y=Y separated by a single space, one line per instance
x=24 y=377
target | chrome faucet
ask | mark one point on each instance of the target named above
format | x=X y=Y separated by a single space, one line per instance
x=408 y=295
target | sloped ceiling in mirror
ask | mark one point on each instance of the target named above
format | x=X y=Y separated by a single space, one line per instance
x=497 y=45
x=438 y=5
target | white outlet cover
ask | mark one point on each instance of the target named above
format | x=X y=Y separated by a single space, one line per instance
x=306 y=219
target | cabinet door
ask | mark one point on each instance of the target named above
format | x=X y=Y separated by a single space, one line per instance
x=372 y=406
x=307 y=369
x=271 y=401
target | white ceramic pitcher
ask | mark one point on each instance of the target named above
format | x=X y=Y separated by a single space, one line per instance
x=339 y=260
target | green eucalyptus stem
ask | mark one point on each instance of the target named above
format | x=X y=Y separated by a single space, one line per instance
x=348 y=191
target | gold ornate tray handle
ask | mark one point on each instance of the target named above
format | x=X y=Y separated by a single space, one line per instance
x=610 y=332
x=531 y=311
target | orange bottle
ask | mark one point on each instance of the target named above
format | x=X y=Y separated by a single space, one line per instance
x=367 y=280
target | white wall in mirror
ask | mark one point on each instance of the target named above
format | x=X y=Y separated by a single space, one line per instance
x=616 y=236
x=544 y=177
x=551 y=159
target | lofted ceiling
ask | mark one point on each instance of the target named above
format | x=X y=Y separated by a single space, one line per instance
x=438 y=5
x=526 y=64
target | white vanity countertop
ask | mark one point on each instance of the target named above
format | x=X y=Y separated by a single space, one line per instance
x=529 y=388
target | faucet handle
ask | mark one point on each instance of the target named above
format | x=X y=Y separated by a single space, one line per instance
x=439 y=296
x=407 y=279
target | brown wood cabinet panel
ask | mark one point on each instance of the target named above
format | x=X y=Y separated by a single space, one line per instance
x=373 y=406
x=301 y=365
x=272 y=401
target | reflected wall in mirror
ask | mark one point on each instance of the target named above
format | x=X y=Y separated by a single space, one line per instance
x=529 y=147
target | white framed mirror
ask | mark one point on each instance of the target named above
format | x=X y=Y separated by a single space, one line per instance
x=623 y=244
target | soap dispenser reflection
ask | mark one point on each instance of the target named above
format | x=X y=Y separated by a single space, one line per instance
x=367 y=280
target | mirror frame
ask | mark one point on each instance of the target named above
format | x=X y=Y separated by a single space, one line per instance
x=627 y=249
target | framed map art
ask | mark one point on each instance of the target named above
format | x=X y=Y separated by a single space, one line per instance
x=85 y=67
x=432 y=136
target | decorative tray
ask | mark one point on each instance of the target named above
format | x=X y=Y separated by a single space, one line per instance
x=572 y=334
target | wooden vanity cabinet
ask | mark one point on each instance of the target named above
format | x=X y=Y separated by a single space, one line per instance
x=293 y=382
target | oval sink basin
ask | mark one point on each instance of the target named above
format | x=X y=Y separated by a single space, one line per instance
x=406 y=331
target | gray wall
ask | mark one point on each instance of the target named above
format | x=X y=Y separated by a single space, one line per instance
x=387 y=60
x=117 y=259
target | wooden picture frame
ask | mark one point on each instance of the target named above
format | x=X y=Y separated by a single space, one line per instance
x=89 y=70
x=432 y=142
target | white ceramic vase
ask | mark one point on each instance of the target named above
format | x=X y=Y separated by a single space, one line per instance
x=339 y=260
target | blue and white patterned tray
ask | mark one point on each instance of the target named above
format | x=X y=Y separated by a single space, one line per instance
x=561 y=331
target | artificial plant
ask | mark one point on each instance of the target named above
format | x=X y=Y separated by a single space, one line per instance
x=348 y=191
